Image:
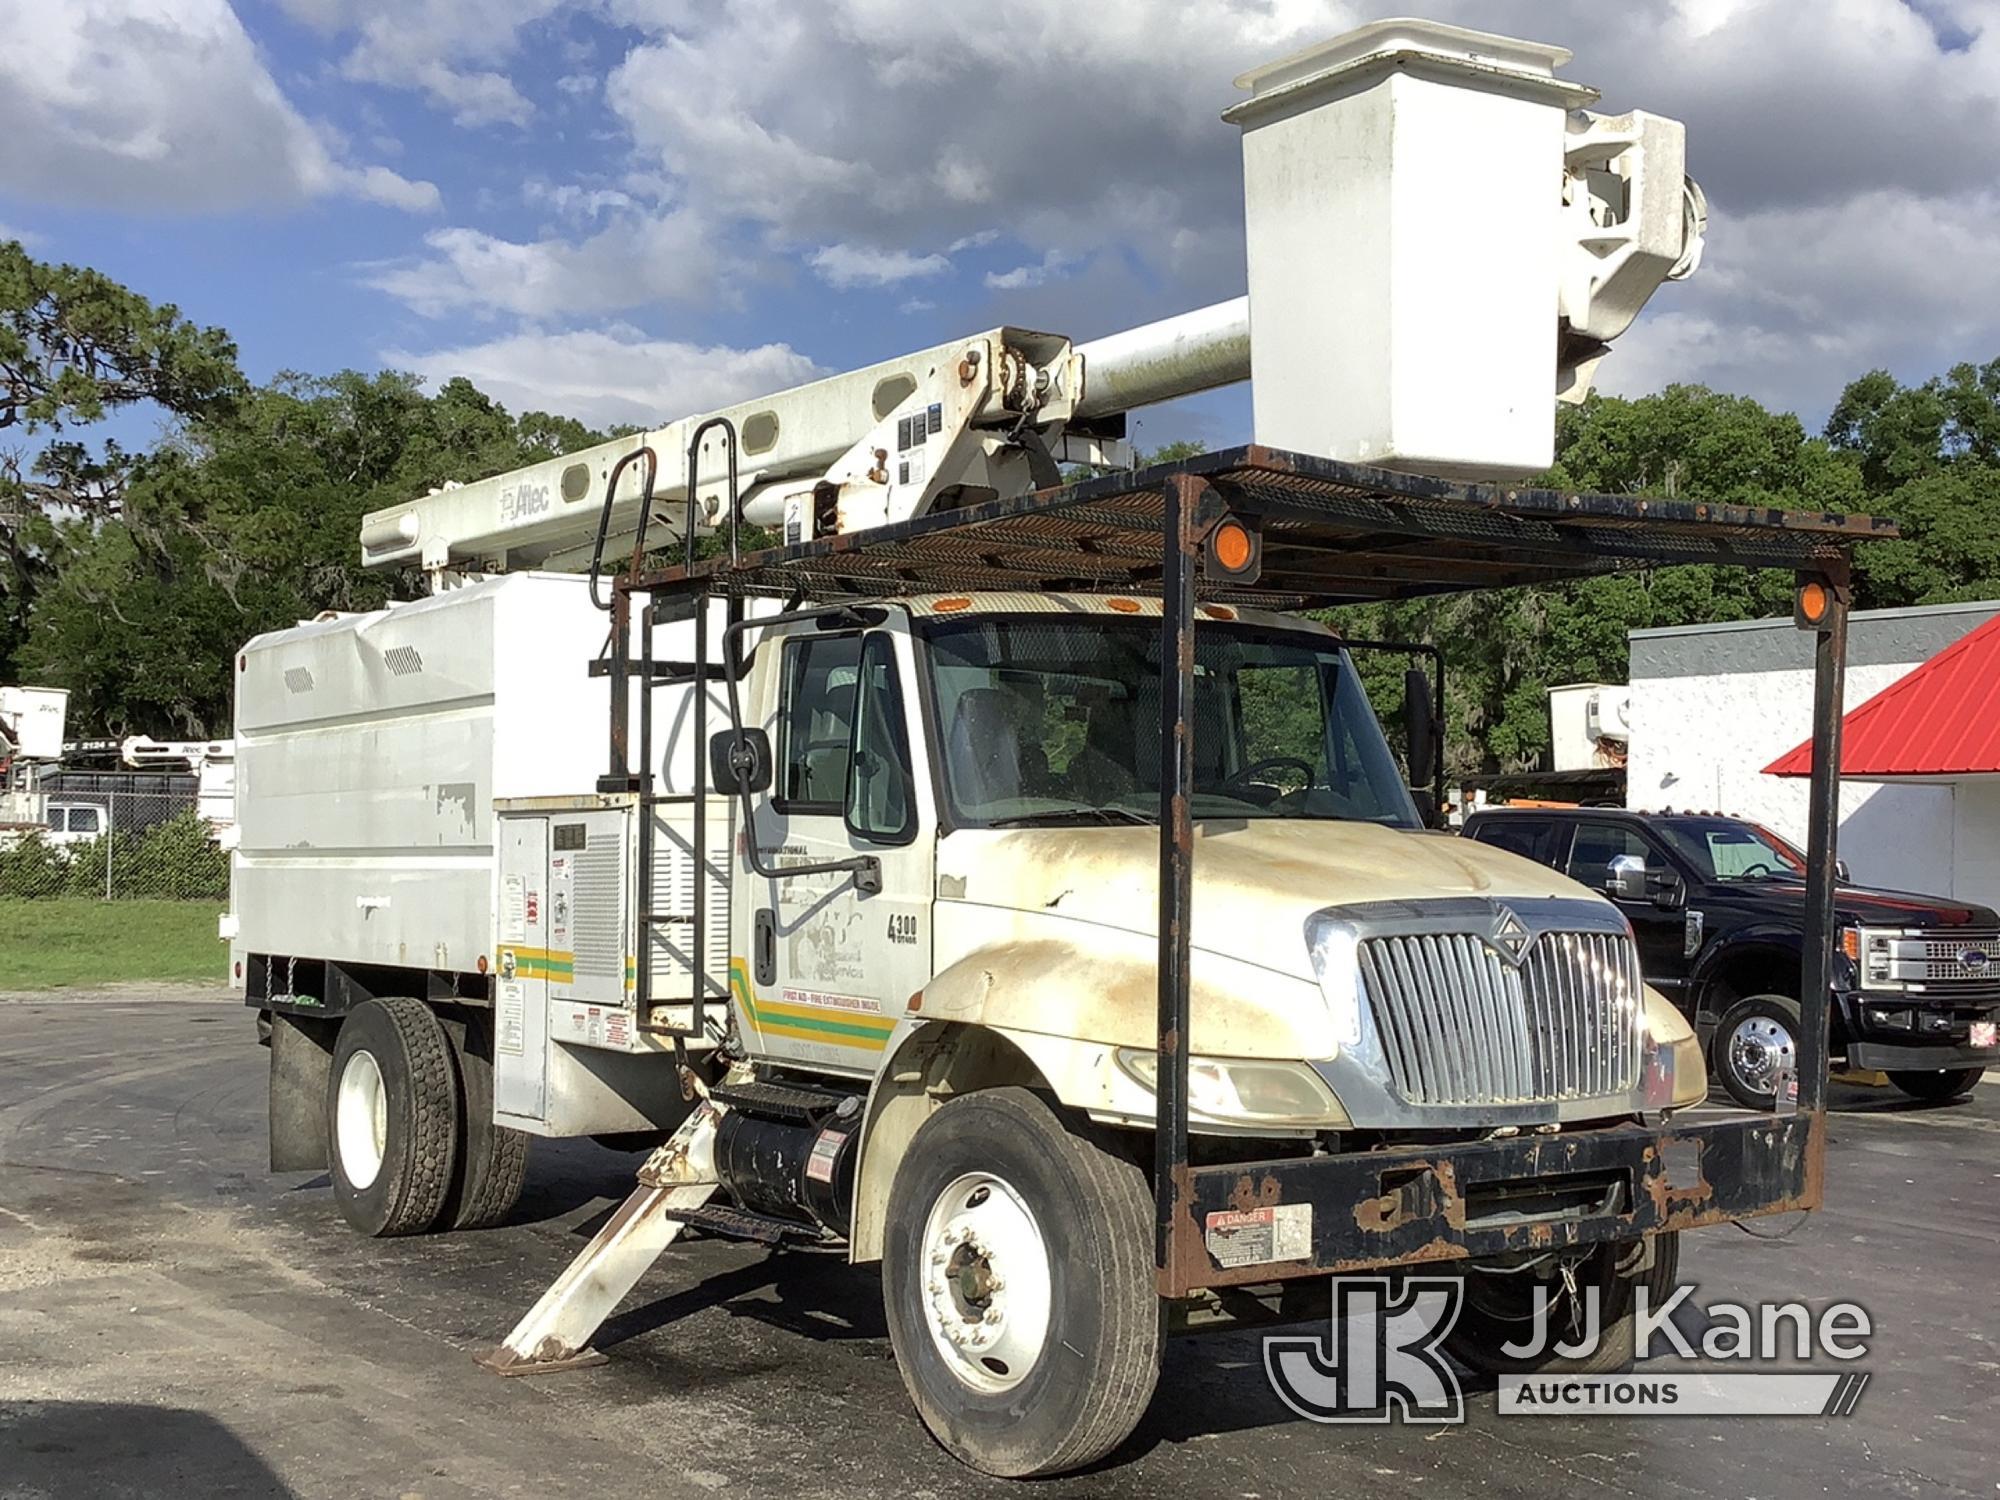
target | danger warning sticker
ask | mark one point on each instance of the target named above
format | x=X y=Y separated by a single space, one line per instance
x=1259 y=1236
x=825 y=1152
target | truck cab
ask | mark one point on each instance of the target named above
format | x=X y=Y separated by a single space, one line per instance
x=1718 y=907
x=998 y=756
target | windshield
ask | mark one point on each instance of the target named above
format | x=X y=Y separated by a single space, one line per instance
x=1048 y=719
x=1724 y=849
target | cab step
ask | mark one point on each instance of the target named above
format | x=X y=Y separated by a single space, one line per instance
x=741 y=1224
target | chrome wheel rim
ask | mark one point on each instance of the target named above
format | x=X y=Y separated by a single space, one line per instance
x=1759 y=1049
x=987 y=1286
x=361 y=1120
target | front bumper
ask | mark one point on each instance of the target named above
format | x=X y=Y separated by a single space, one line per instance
x=1899 y=1030
x=1420 y=1205
x=1920 y=1057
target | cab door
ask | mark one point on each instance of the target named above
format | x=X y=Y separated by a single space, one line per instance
x=832 y=968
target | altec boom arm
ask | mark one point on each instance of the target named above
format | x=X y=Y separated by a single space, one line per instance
x=1418 y=200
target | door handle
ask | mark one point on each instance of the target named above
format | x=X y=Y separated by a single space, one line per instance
x=765 y=946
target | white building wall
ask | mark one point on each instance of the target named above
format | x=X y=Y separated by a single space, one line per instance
x=1713 y=705
x=1976 y=849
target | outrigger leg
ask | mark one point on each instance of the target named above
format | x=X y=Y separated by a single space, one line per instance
x=677 y=1180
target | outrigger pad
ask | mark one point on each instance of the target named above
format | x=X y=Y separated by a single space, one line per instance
x=502 y=1361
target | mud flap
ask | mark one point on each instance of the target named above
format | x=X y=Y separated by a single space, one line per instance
x=301 y=1064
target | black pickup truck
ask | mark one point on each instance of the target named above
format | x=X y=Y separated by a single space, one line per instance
x=1718 y=908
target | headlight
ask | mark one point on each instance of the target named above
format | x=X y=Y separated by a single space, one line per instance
x=1676 y=1076
x=1243 y=1091
x=1877 y=956
x=1336 y=960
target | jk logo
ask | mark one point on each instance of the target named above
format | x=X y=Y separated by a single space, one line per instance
x=1379 y=1360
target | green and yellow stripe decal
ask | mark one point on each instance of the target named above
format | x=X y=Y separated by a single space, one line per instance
x=541 y=963
x=808 y=1023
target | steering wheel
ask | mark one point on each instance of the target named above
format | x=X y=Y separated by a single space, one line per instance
x=1249 y=772
x=1759 y=868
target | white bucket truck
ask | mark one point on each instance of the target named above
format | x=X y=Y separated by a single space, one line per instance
x=1000 y=877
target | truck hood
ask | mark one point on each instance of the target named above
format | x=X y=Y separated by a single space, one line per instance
x=1255 y=880
x=1860 y=905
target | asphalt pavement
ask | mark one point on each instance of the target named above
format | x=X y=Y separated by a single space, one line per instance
x=174 y=1320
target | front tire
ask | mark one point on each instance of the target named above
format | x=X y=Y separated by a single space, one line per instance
x=1937 y=1085
x=1755 y=1040
x=1499 y=1309
x=1018 y=1284
x=392 y=1117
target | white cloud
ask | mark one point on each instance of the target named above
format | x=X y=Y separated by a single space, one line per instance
x=845 y=266
x=473 y=97
x=1838 y=140
x=447 y=50
x=1792 y=302
x=638 y=259
x=613 y=375
x=573 y=200
x=27 y=237
x=162 y=105
x=1055 y=263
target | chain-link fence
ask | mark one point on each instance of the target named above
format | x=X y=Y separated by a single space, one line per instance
x=112 y=838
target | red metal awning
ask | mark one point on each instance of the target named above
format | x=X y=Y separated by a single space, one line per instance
x=1943 y=719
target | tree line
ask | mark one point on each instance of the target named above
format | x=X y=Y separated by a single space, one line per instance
x=130 y=575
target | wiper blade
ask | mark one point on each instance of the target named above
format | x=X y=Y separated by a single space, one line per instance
x=1074 y=815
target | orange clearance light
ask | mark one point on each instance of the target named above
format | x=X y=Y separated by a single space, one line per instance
x=1123 y=606
x=1850 y=943
x=1235 y=552
x=950 y=606
x=1811 y=606
x=482 y=963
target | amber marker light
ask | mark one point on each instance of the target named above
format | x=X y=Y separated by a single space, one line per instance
x=1235 y=553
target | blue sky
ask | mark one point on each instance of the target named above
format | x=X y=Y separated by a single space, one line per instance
x=629 y=209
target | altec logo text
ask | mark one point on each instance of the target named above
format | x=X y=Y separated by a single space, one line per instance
x=1383 y=1357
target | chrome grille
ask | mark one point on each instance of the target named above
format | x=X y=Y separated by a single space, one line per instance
x=1933 y=957
x=1461 y=1025
x=1942 y=953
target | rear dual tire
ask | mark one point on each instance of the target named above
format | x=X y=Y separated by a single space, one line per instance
x=392 y=1117
x=412 y=1141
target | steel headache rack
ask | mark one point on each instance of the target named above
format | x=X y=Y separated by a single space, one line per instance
x=1262 y=527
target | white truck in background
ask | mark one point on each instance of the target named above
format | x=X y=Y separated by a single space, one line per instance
x=32 y=721
x=883 y=957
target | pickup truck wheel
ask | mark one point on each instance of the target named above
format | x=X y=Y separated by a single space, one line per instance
x=392 y=1117
x=1018 y=1283
x=1499 y=1309
x=1936 y=1085
x=1755 y=1040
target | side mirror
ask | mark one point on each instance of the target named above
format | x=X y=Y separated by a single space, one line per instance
x=740 y=758
x=1841 y=873
x=1419 y=725
x=1626 y=878
x=1669 y=890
